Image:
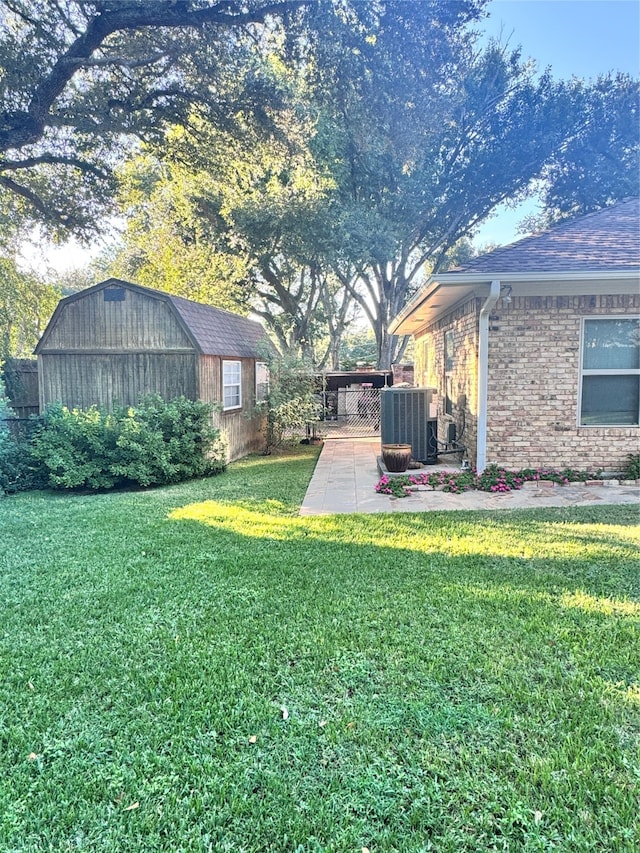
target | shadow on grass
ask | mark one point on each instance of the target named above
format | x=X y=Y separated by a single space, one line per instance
x=544 y=542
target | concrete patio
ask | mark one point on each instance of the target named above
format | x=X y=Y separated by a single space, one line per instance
x=346 y=474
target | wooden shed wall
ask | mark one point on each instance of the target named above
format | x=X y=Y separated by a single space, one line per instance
x=80 y=380
x=138 y=322
x=242 y=428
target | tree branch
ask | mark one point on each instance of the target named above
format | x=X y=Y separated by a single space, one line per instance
x=53 y=159
x=26 y=127
x=36 y=202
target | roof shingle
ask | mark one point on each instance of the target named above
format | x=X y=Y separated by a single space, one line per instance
x=219 y=332
x=608 y=239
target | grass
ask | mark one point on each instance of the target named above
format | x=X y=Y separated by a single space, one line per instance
x=452 y=682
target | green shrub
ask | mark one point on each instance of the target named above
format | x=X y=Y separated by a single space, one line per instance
x=155 y=443
x=291 y=402
x=76 y=447
x=7 y=445
x=632 y=468
x=165 y=442
x=18 y=469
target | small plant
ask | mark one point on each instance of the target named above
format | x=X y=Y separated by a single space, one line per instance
x=445 y=481
x=632 y=469
x=494 y=479
x=497 y=479
x=290 y=403
x=398 y=487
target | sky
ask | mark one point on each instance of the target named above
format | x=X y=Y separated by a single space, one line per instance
x=582 y=38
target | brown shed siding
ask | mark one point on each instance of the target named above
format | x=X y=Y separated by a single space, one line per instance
x=138 y=322
x=241 y=427
x=117 y=341
x=80 y=380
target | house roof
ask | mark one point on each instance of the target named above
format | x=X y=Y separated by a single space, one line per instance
x=608 y=239
x=595 y=253
x=213 y=331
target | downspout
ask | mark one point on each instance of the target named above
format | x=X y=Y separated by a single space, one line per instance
x=483 y=374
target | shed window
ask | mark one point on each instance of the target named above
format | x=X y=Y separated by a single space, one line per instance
x=610 y=376
x=231 y=384
x=114 y=294
x=262 y=381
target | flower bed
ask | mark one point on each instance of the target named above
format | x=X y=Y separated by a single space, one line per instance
x=492 y=479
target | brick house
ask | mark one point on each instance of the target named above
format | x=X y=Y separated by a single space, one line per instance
x=534 y=348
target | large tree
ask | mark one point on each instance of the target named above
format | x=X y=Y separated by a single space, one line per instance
x=424 y=134
x=26 y=304
x=413 y=136
x=166 y=243
x=600 y=162
x=81 y=78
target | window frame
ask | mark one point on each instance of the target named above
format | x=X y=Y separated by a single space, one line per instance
x=226 y=384
x=585 y=372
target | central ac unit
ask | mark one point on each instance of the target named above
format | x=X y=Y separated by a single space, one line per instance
x=406 y=418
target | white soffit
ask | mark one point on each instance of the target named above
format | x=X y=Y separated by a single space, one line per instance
x=439 y=296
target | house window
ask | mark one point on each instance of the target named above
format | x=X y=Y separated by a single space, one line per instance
x=448 y=371
x=231 y=385
x=262 y=381
x=610 y=377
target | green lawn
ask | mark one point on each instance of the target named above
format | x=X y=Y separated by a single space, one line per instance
x=453 y=682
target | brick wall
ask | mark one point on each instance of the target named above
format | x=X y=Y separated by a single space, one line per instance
x=429 y=359
x=534 y=375
x=403 y=373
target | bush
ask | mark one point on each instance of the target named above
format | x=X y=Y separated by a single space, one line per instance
x=632 y=467
x=291 y=402
x=18 y=469
x=155 y=443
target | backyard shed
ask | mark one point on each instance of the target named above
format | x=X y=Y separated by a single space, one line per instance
x=534 y=348
x=116 y=341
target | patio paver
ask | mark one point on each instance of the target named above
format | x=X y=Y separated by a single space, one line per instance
x=346 y=474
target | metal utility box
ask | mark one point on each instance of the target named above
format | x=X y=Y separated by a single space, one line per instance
x=407 y=416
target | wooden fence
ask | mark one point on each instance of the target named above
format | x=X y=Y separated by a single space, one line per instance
x=20 y=377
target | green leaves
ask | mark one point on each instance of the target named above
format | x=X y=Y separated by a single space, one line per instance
x=155 y=443
x=26 y=303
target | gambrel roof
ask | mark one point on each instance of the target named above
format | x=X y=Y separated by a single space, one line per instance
x=212 y=331
x=220 y=332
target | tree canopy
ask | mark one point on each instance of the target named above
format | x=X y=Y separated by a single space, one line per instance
x=26 y=303
x=79 y=79
x=600 y=163
x=397 y=136
x=293 y=158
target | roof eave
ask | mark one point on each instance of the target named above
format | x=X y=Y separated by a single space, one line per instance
x=479 y=281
